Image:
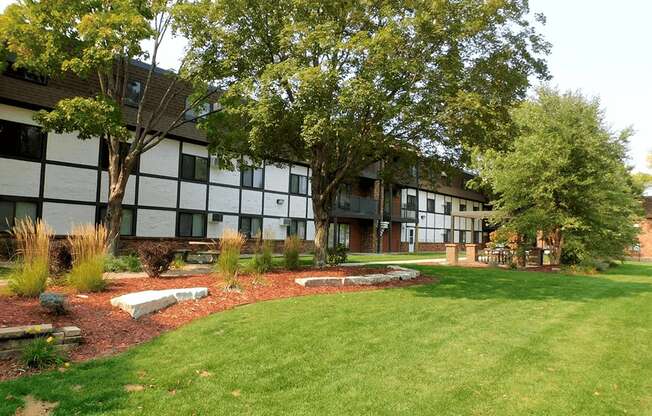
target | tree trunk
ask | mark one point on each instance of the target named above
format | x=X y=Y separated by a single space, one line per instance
x=119 y=170
x=114 y=221
x=321 y=237
x=556 y=242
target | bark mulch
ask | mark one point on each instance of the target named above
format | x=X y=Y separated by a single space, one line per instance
x=108 y=330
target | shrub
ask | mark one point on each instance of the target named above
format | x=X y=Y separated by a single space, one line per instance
x=337 y=255
x=291 y=250
x=60 y=258
x=33 y=248
x=41 y=353
x=228 y=261
x=262 y=261
x=155 y=258
x=177 y=263
x=89 y=246
x=130 y=263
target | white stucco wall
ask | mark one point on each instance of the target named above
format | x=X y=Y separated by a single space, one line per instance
x=156 y=223
x=273 y=208
x=194 y=149
x=63 y=182
x=68 y=148
x=19 y=177
x=215 y=229
x=193 y=196
x=130 y=191
x=19 y=115
x=226 y=177
x=155 y=192
x=277 y=178
x=272 y=226
x=223 y=199
x=297 y=206
x=62 y=217
x=252 y=202
x=299 y=170
x=163 y=159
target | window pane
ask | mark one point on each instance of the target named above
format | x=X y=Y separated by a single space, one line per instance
x=245 y=226
x=31 y=139
x=25 y=210
x=187 y=167
x=132 y=96
x=294 y=184
x=185 y=225
x=301 y=229
x=21 y=140
x=127 y=221
x=247 y=177
x=6 y=215
x=258 y=178
x=331 y=235
x=198 y=225
x=303 y=185
x=201 y=169
x=256 y=226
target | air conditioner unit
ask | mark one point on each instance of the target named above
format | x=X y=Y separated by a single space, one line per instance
x=215 y=217
x=285 y=222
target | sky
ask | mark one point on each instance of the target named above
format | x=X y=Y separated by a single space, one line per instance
x=599 y=47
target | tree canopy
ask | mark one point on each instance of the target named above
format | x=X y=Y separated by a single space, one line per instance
x=565 y=176
x=344 y=84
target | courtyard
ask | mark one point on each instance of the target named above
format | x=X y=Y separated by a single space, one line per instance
x=468 y=341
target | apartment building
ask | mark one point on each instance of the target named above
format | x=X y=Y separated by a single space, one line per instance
x=177 y=194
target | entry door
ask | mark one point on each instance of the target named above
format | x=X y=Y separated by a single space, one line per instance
x=411 y=240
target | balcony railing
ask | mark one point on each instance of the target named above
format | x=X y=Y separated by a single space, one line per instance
x=356 y=207
x=405 y=214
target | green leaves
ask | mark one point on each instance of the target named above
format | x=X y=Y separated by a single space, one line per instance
x=87 y=117
x=566 y=171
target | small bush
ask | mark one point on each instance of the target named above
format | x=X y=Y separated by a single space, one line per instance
x=177 y=263
x=227 y=264
x=155 y=258
x=130 y=263
x=41 y=353
x=262 y=261
x=291 y=250
x=33 y=248
x=337 y=255
x=89 y=246
x=60 y=258
x=29 y=279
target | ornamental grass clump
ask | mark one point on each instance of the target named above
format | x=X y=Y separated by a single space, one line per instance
x=228 y=264
x=89 y=245
x=291 y=250
x=33 y=241
x=41 y=353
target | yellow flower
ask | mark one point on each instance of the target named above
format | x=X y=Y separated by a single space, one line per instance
x=66 y=365
x=49 y=340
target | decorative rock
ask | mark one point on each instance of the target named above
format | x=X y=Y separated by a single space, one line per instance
x=25 y=331
x=54 y=302
x=398 y=273
x=142 y=303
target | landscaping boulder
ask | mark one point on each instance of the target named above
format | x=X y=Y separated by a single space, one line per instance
x=138 y=304
x=55 y=303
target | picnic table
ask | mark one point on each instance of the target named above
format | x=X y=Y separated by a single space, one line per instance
x=206 y=252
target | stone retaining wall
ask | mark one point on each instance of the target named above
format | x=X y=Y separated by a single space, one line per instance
x=14 y=339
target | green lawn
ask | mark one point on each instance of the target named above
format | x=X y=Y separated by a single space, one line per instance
x=306 y=260
x=480 y=342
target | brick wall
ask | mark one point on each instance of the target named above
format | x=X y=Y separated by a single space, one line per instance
x=645 y=238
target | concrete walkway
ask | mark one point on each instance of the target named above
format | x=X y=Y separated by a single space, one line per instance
x=419 y=261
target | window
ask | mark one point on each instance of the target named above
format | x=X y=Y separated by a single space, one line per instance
x=298 y=184
x=12 y=210
x=344 y=196
x=341 y=235
x=411 y=202
x=477 y=237
x=462 y=236
x=23 y=74
x=133 y=94
x=448 y=208
x=476 y=208
x=194 y=168
x=104 y=154
x=127 y=225
x=298 y=228
x=447 y=236
x=21 y=140
x=251 y=226
x=252 y=177
x=462 y=207
x=199 y=110
x=192 y=224
x=431 y=205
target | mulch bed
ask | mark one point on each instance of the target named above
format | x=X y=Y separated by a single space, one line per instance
x=108 y=330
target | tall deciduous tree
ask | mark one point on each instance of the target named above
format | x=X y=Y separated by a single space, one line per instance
x=341 y=84
x=98 y=40
x=565 y=176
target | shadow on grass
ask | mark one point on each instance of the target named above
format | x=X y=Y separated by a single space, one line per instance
x=631 y=269
x=488 y=283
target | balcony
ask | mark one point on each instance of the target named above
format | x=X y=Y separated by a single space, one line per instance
x=355 y=207
x=405 y=214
